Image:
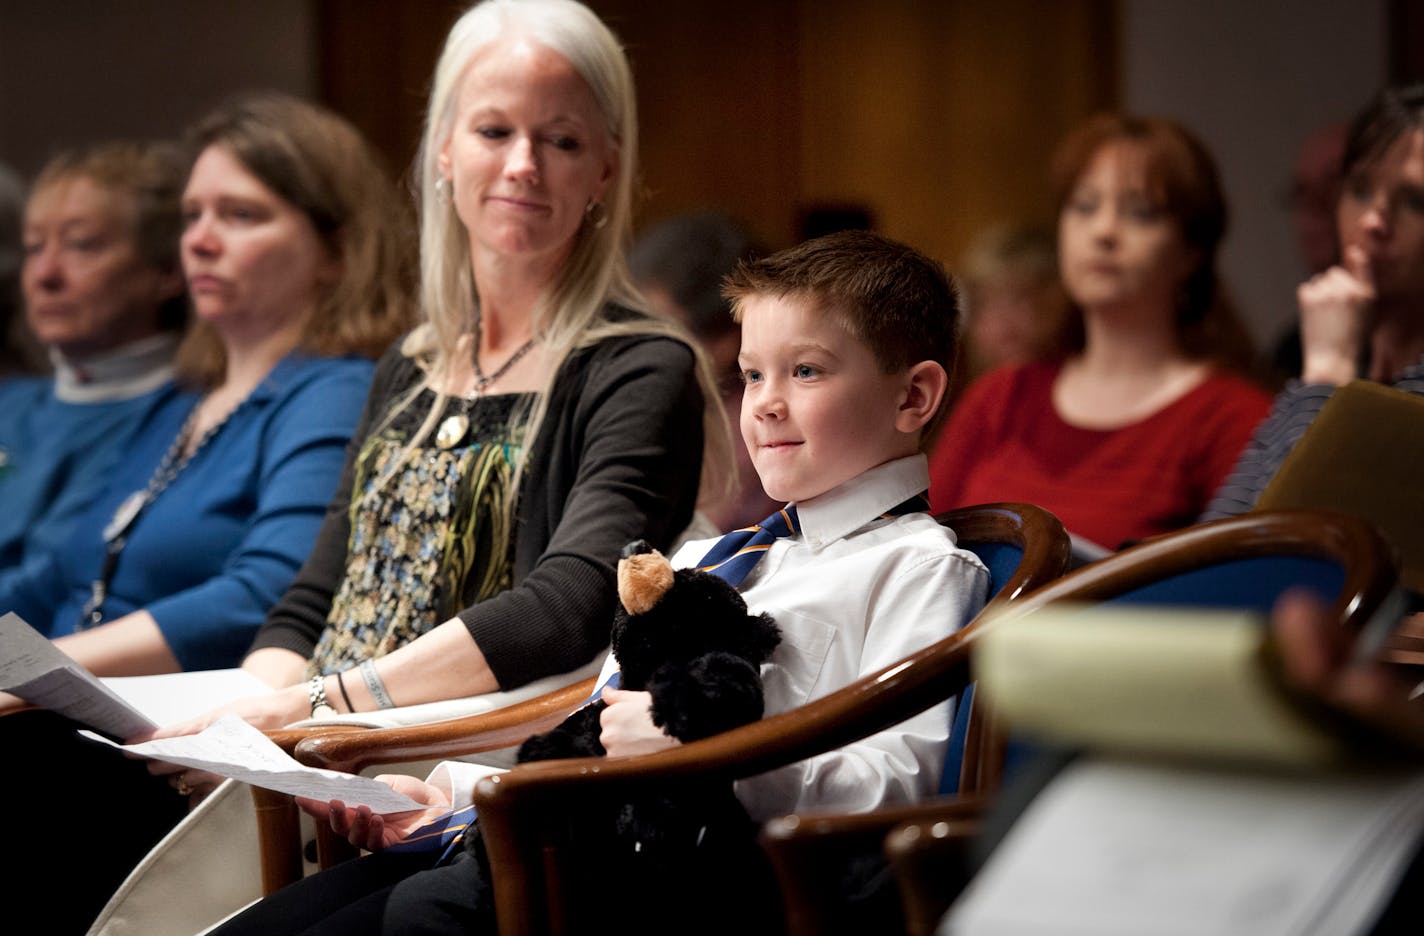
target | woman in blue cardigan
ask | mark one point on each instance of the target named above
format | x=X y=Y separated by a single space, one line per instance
x=299 y=274
x=298 y=260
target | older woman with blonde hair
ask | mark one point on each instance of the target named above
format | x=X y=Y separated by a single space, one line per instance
x=103 y=294
x=532 y=345
x=534 y=423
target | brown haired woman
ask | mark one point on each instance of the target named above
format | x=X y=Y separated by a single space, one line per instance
x=1129 y=435
x=216 y=503
x=296 y=258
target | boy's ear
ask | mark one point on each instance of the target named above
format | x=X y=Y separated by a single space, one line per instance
x=925 y=386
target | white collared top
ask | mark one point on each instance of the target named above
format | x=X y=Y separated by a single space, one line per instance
x=853 y=592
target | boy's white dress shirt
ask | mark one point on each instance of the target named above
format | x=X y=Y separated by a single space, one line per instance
x=852 y=593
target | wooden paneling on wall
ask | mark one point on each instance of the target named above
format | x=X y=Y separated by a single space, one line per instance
x=719 y=102
x=941 y=115
x=1406 y=41
x=375 y=64
x=936 y=115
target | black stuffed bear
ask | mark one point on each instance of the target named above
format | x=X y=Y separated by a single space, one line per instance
x=686 y=638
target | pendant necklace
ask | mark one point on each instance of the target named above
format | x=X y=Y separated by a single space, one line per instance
x=453 y=428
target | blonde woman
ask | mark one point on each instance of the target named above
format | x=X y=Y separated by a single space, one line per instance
x=529 y=428
x=533 y=424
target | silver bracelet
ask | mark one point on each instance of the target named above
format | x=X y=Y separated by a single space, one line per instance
x=374 y=685
x=316 y=691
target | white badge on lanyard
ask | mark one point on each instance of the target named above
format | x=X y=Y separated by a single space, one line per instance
x=126 y=514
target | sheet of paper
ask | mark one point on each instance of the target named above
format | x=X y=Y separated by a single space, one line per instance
x=1114 y=848
x=232 y=748
x=32 y=668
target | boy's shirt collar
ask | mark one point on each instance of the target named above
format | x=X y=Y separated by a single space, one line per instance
x=843 y=510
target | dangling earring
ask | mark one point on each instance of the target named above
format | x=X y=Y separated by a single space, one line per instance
x=442 y=193
x=596 y=214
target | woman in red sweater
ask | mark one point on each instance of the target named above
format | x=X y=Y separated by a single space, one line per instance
x=1130 y=434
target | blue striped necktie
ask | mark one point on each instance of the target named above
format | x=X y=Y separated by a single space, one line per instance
x=737 y=553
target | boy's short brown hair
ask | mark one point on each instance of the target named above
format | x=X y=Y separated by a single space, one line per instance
x=898 y=302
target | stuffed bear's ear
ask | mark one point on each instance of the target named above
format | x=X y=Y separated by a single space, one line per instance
x=643 y=579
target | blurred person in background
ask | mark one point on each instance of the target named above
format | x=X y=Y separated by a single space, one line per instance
x=679 y=264
x=297 y=255
x=1362 y=318
x=1014 y=303
x=1128 y=435
x=103 y=293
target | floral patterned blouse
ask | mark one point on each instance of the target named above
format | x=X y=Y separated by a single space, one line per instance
x=428 y=535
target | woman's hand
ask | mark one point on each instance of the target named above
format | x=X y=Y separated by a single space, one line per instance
x=187 y=782
x=266 y=712
x=11 y=703
x=628 y=726
x=373 y=832
x=1336 y=313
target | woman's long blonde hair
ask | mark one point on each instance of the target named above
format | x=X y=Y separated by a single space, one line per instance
x=571 y=314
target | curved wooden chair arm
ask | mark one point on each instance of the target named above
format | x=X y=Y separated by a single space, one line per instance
x=806 y=829
x=289 y=738
x=352 y=748
x=808 y=850
x=1352 y=543
x=353 y=752
x=869 y=705
x=279 y=839
x=513 y=805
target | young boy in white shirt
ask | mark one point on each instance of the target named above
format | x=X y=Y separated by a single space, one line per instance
x=847 y=343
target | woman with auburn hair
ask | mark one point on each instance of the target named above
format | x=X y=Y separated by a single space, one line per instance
x=298 y=272
x=1127 y=436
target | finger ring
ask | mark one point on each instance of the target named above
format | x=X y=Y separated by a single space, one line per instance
x=182 y=786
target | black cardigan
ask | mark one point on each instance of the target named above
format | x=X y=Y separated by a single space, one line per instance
x=618 y=458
